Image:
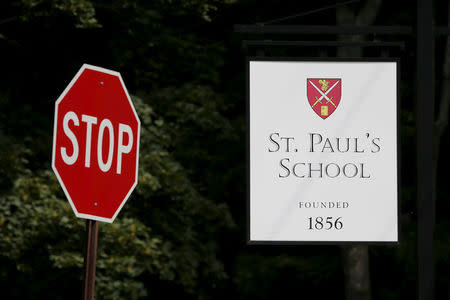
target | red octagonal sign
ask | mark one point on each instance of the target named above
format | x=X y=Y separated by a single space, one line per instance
x=96 y=143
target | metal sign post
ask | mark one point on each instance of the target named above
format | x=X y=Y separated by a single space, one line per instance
x=90 y=259
x=425 y=175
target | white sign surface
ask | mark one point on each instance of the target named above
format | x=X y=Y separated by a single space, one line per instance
x=323 y=151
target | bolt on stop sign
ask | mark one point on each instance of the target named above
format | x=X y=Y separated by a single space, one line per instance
x=96 y=143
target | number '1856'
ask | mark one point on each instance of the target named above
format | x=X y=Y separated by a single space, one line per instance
x=320 y=223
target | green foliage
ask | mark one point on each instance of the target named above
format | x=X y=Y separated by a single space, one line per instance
x=177 y=209
x=36 y=216
x=166 y=230
x=82 y=11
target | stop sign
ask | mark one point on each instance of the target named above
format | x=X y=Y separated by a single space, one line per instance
x=96 y=143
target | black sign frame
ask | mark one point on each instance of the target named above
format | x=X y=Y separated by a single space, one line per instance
x=398 y=132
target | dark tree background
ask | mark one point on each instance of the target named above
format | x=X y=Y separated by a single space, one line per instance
x=182 y=233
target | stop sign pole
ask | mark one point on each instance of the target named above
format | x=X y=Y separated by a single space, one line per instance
x=90 y=259
x=95 y=152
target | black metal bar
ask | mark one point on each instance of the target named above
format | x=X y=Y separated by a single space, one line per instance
x=425 y=175
x=247 y=43
x=442 y=30
x=323 y=29
x=306 y=13
x=90 y=259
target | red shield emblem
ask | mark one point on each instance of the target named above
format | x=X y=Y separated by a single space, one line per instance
x=324 y=95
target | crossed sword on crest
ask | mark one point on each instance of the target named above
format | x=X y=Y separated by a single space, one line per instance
x=324 y=95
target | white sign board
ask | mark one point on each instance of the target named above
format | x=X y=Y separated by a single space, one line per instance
x=322 y=151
